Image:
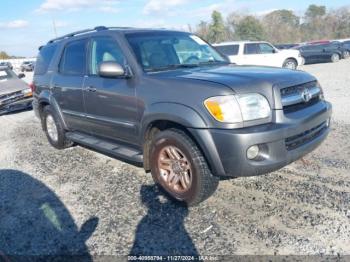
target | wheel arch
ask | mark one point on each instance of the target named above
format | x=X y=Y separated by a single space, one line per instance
x=45 y=98
x=291 y=58
x=175 y=116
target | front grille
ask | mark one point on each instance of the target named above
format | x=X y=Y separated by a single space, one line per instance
x=296 y=141
x=298 y=97
x=8 y=98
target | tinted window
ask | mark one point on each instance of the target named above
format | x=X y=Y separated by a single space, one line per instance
x=228 y=49
x=105 y=49
x=308 y=48
x=73 y=61
x=44 y=59
x=251 y=49
x=164 y=51
x=266 y=49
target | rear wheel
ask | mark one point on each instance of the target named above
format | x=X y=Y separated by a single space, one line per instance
x=179 y=168
x=346 y=54
x=290 y=64
x=335 y=58
x=53 y=129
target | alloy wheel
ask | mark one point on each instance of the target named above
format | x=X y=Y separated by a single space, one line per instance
x=175 y=169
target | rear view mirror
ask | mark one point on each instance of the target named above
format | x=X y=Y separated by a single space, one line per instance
x=21 y=75
x=111 y=69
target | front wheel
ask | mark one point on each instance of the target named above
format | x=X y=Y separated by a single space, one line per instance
x=335 y=58
x=290 y=64
x=178 y=167
x=346 y=54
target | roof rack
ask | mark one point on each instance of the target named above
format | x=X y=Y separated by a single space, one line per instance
x=97 y=29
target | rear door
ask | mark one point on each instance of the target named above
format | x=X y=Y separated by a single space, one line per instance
x=111 y=105
x=309 y=54
x=251 y=54
x=67 y=84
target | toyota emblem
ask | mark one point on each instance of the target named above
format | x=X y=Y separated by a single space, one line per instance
x=306 y=95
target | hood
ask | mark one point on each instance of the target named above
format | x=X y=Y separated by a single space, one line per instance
x=243 y=79
x=12 y=85
x=240 y=77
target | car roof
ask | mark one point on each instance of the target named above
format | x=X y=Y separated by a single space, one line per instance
x=124 y=30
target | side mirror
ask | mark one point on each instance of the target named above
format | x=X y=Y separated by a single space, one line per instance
x=21 y=75
x=111 y=70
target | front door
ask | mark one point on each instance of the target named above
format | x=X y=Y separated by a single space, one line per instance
x=111 y=106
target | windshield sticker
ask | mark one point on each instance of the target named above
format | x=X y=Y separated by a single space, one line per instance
x=198 y=40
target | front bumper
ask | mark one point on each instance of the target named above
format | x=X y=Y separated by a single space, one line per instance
x=20 y=104
x=280 y=143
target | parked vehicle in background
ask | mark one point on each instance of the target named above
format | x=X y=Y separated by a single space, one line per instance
x=167 y=101
x=285 y=46
x=259 y=53
x=342 y=47
x=15 y=94
x=320 y=53
x=318 y=42
x=6 y=64
x=27 y=66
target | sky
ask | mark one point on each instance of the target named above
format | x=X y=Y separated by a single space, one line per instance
x=26 y=25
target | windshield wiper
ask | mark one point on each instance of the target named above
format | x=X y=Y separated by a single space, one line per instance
x=174 y=66
x=213 y=62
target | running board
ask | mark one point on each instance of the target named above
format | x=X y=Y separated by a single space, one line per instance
x=116 y=150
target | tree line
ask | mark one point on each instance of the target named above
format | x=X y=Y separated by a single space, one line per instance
x=279 y=26
x=4 y=55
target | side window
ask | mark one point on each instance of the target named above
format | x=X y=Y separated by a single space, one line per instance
x=251 y=49
x=73 y=61
x=104 y=49
x=228 y=50
x=266 y=49
x=44 y=59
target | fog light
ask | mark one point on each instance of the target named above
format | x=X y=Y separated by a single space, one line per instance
x=252 y=152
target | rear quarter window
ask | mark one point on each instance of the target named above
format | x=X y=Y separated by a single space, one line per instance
x=228 y=50
x=44 y=59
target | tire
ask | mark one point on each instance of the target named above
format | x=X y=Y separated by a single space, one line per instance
x=335 y=58
x=290 y=64
x=202 y=183
x=346 y=54
x=49 y=121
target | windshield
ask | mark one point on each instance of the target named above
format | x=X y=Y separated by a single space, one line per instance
x=163 y=51
x=6 y=75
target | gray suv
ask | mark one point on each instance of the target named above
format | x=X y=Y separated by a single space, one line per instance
x=167 y=101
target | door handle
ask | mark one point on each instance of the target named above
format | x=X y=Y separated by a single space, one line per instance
x=91 y=89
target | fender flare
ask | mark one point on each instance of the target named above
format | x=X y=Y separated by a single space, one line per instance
x=46 y=97
x=174 y=112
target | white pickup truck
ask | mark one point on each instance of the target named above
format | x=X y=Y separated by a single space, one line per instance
x=259 y=53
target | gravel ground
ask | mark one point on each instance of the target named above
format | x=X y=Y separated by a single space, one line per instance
x=81 y=202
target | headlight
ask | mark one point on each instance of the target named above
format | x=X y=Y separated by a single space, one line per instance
x=238 y=108
x=27 y=92
x=254 y=106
